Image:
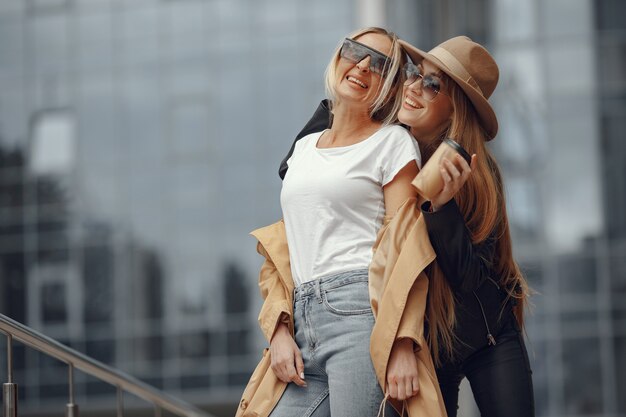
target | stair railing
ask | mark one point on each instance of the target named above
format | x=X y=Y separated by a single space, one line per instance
x=76 y=360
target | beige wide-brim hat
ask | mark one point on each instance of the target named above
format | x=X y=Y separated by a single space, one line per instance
x=473 y=69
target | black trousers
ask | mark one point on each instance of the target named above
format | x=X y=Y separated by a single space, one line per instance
x=500 y=377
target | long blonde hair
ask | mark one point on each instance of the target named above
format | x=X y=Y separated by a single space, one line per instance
x=389 y=96
x=482 y=202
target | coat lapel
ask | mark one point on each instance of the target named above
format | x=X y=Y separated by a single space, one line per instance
x=273 y=238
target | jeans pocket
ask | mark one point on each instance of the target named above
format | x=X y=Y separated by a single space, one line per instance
x=348 y=300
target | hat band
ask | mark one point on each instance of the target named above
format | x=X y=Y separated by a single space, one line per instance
x=455 y=66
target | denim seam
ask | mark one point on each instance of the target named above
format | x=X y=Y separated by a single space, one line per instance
x=342 y=278
x=344 y=312
x=311 y=337
x=316 y=403
x=314 y=363
x=324 y=288
x=343 y=284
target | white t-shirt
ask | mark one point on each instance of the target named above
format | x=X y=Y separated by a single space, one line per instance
x=332 y=200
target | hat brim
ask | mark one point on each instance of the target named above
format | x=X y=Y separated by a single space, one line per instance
x=487 y=116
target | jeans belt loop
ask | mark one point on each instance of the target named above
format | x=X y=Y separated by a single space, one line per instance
x=318 y=291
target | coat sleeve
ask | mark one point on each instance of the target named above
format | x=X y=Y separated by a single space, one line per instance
x=398 y=231
x=465 y=265
x=276 y=307
x=412 y=321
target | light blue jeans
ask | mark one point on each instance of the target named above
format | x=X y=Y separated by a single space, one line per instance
x=333 y=323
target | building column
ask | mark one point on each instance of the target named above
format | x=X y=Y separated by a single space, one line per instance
x=371 y=13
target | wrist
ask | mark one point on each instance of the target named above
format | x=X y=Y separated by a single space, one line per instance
x=405 y=342
x=433 y=207
x=281 y=328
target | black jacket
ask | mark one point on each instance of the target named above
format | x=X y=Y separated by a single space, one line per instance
x=468 y=268
x=321 y=119
x=479 y=297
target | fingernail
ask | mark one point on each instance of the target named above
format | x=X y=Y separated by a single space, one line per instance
x=302 y=375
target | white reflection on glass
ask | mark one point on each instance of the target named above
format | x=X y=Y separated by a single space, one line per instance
x=53 y=143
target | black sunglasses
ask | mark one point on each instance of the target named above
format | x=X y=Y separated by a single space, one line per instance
x=355 y=52
x=431 y=85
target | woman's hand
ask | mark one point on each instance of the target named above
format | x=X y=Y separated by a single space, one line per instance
x=286 y=357
x=454 y=173
x=402 y=380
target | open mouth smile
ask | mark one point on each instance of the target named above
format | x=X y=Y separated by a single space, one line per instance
x=413 y=103
x=356 y=81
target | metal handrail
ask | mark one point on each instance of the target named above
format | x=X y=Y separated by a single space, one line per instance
x=95 y=368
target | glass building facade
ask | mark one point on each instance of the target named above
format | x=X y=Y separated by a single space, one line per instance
x=140 y=142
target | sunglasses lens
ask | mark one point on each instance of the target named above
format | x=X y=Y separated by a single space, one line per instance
x=347 y=51
x=411 y=72
x=350 y=52
x=430 y=87
x=379 y=64
x=355 y=52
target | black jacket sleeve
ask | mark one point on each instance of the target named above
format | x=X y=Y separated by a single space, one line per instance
x=320 y=120
x=465 y=265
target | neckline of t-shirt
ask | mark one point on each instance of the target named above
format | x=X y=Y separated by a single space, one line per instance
x=347 y=147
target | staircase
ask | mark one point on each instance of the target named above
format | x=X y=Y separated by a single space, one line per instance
x=15 y=331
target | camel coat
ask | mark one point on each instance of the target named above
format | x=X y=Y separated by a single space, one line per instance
x=398 y=289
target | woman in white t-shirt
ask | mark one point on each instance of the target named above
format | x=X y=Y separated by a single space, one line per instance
x=340 y=184
x=477 y=293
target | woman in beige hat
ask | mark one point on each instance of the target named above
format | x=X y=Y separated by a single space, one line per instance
x=477 y=292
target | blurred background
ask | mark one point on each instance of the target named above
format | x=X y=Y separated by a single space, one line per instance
x=140 y=142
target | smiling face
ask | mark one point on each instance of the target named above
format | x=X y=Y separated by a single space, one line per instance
x=356 y=82
x=426 y=118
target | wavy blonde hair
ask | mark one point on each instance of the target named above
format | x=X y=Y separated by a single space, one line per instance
x=389 y=96
x=482 y=202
